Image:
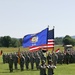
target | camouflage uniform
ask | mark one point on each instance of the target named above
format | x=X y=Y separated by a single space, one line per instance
x=37 y=61
x=22 y=61
x=42 y=68
x=49 y=56
x=27 y=60
x=15 y=59
x=50 y=68
x=67 y=56
x=3 y=57
x=54 y=58
x=10 y=63
x=32 y=60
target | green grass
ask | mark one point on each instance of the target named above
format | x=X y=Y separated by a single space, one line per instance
x=60 y=70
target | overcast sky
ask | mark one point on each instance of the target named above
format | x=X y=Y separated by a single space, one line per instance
x=21 y=17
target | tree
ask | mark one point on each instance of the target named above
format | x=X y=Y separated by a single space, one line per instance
x=6 y=40
x=58 y=40
x=67 y=40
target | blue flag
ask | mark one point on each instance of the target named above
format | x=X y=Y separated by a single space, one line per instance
x=49 y=45
x=35 y=39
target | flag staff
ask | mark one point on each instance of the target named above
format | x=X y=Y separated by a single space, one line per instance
x=48 y=26
x=53 y=34
x=53 y=27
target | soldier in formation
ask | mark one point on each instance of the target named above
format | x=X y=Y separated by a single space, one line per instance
x=10 y=62
x=22 y=61
x=37 y=61
x=50 y=68
x=42 y=68
x=26 y=58
x=15 y=60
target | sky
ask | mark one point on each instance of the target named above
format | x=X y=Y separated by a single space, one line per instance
x=21 y=17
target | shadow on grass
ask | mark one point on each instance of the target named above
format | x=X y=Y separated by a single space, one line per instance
x=31 y=70
x=4 y=72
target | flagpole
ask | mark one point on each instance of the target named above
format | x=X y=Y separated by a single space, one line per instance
x=48 y=30
x=48 y=26
x=53 y=47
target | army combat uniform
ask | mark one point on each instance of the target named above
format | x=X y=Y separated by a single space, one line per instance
x=42 y=68
x=10 y=61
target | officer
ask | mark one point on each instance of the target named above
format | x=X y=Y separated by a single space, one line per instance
x=22 y=61
x=50 y=68
x=10 y=61
x=42 y=68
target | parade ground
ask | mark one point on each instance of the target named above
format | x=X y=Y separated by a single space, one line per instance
x=63 y=69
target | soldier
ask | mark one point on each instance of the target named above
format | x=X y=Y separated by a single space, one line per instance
x=15 y=59
x=67 y=56
x=42 y=68
x=60 y=57
x=22 y=61
x=3 y=57
x=7 y=57
x=27 y=60
x=37 y=61
x=43 y=57
x=54 y=58
x=49 y=56
x=50 y=68
x=10 y=61
x=32 y=60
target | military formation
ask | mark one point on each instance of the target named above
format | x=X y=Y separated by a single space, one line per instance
x=29 y=60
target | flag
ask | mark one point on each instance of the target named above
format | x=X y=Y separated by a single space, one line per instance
x=57 y=50
x=35 y=39
x=49 y=45
x=1 y=52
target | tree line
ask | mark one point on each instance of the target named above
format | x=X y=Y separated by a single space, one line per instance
x=7 y=41
x=67 y=40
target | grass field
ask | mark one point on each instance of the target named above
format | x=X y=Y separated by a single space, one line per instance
x=60 y=70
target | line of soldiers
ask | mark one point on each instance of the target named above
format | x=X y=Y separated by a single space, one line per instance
x=21 y=58
x=25 y=58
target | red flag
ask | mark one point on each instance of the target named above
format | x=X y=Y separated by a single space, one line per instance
x=57 y=50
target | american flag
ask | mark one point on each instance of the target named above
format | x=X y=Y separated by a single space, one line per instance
x=49 y=45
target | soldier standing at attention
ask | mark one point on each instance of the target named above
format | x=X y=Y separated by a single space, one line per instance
x=15 y=60
x=67 y=56
x=54 y=58
x=3 y=57
x=32 y=60
x=22 y=61
x=50 y=68
x=10 y=61
x=27 y=60
x=37 y=61
x=49 y=56
x=42 y=68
